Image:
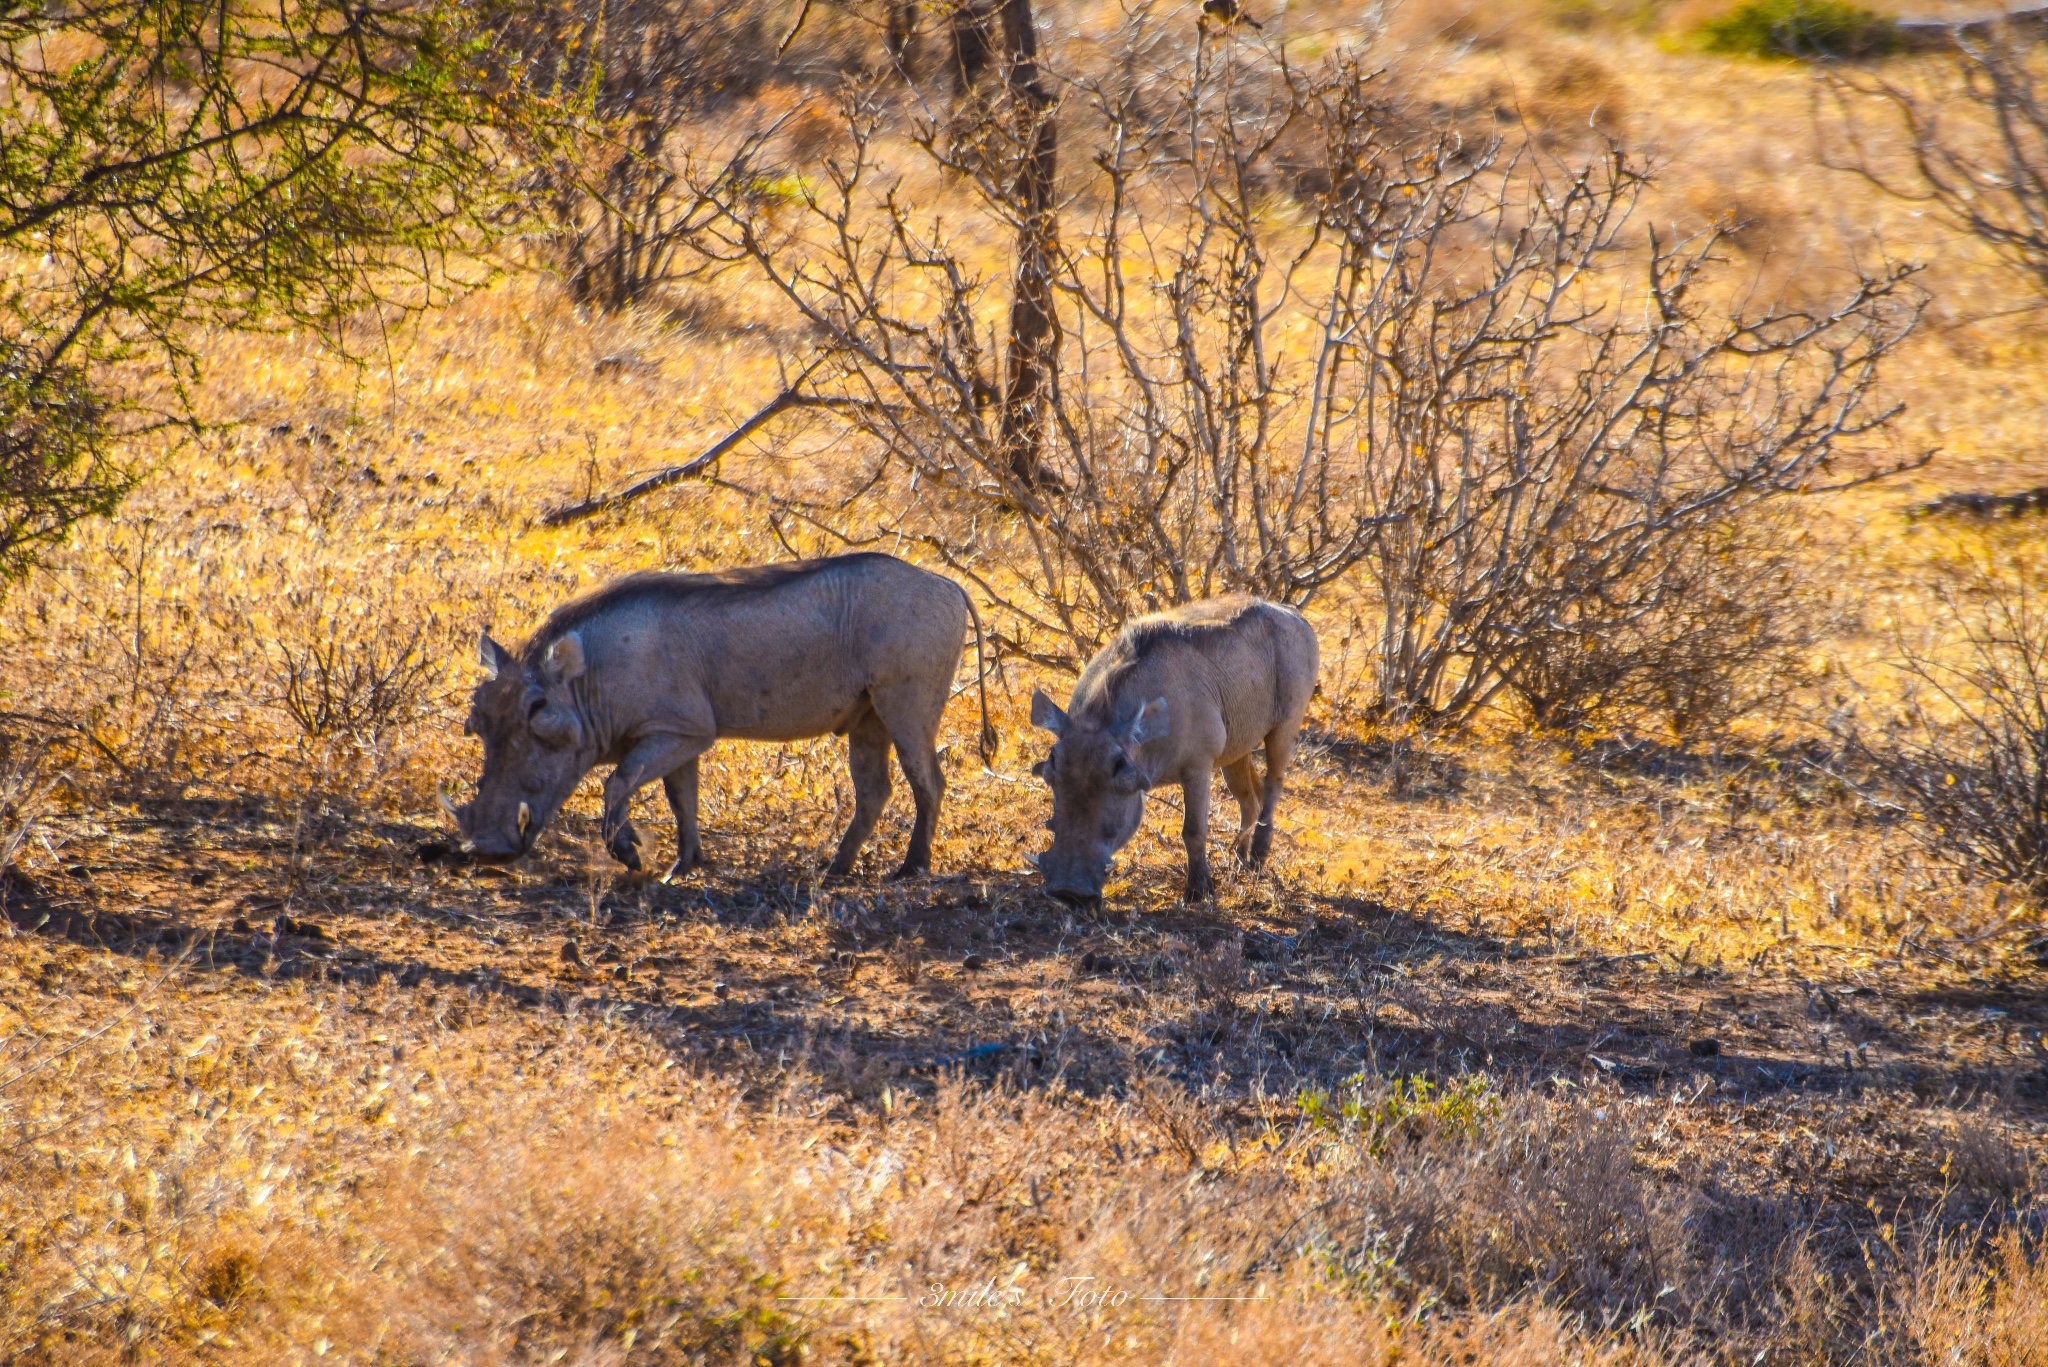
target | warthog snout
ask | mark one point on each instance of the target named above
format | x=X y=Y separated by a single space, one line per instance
x=493 y=846
x=1076 y=881
x=487 y=844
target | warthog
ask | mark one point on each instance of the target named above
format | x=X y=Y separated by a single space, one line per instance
x=648 y=672
x=1172 y=699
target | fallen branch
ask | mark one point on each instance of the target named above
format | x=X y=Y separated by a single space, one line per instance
x=661 y=479
x=2034 y=500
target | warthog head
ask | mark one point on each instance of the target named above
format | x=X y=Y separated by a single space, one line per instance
x=1098 y=793
x=536 y=748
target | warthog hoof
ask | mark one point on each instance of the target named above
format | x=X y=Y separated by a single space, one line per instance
x=685 y=865
x=625 y=846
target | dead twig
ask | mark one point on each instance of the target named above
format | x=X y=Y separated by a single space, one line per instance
x=661 y=479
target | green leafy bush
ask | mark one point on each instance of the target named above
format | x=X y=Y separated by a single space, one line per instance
x=1799 y=28
x=1380 y=1111
x=171 y=168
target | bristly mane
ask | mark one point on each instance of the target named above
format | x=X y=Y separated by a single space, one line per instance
x=739 y=582
x=1208 y=615
x=1178 y=625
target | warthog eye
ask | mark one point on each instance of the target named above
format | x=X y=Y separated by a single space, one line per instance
x=553 y=729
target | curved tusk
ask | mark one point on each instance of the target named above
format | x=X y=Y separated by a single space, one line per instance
x=448 y=805
x=525 y=817
x=1032 y=860
x=469 y=847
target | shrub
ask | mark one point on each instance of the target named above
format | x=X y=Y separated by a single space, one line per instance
x=654 y=72
x=1967 y=138
x=1720 y=626
x=1381 y=1111
x=134 y=218
x=1496 y=445
x=1799 y=28
x=1970 y=757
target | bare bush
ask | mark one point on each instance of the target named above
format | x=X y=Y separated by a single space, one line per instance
x=1217 y=974
x=26 y=784
x=1968 y=755
x=620 y=215
x=1721 y=626
x=340 y=680
x=1958 y=1303
x=139 y=711
x=350 y=679
x=1984 y=1161
x=1460 y=371
x=1972 y=143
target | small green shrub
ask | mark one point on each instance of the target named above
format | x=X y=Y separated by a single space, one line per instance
x=1799 y=28
x=1379 y=1112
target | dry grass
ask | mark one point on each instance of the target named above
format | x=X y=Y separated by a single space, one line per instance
x=1719 y=1066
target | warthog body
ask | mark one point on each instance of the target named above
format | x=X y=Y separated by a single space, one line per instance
x=648 y=672
x=1174 y=698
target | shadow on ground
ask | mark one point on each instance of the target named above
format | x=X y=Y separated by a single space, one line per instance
x=741 y=970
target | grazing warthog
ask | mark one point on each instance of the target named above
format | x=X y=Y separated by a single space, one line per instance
x=1172 y=699
x=648 y=672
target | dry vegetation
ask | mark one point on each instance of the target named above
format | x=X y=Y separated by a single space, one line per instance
x=1600 y=1042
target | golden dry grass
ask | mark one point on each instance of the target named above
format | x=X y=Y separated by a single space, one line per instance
x=275 y=1090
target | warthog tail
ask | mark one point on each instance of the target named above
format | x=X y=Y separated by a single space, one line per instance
x=990 y=742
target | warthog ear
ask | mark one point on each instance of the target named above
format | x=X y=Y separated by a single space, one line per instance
x=1046 y=714
x=492 y=656
x=564 y=660
x=1149 y=724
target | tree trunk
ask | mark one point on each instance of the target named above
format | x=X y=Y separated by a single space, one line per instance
x=1034 y=330
x=901 y=37
x=972 y=46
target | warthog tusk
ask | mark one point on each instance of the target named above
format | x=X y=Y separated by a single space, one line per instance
x=1032 y=860
x=525 y=817
x=469 y=847
x=447 y=805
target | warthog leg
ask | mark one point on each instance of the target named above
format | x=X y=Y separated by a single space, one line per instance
x=1279 y=755
x=1194 y=832
x=911 y=712
x=867 y=757
x=680 y=787
x=655 y=756
x=1243 y=781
